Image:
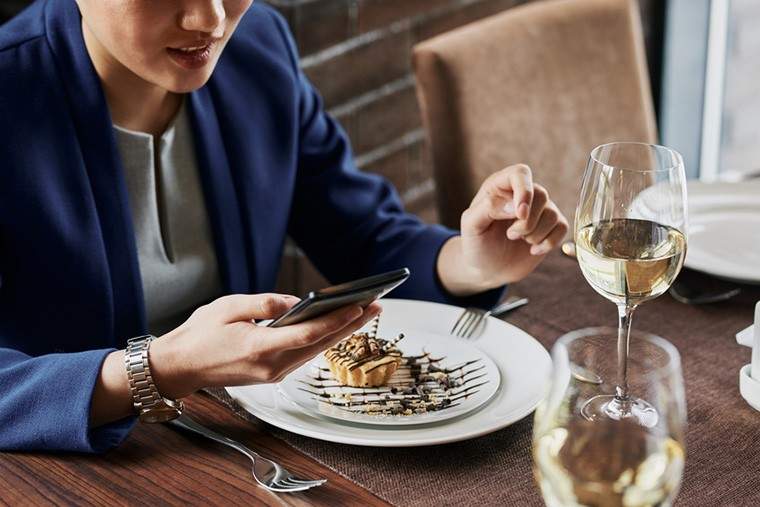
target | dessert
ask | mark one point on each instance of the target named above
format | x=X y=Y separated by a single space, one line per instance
x=363 y=360
x=370 y=376
x=420 y=384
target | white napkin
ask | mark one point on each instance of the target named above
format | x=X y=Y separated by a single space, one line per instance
x=746 y=336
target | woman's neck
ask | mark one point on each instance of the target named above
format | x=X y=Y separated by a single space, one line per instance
x=135 y=104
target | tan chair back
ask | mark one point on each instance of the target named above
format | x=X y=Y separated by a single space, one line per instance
x=541 y=84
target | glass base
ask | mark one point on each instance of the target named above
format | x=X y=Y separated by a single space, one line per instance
x=614 y=407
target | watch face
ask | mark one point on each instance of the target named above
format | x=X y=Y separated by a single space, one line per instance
x=160 y=413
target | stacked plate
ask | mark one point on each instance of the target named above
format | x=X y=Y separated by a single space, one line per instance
x=496 y=379
x=724 y=230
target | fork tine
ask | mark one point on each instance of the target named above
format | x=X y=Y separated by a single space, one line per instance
x=474 y=323
x=458 y=326
x=474 y=316
x=312 y=484
x=287 y=480
x=482 y=322
x=455 y=327
x=291 y=488
x=287 y=489
x=466 y=322
x=297 y=480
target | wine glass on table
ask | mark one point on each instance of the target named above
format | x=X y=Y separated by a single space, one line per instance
x=607 y=462
x=610 y=432
x=630 y=238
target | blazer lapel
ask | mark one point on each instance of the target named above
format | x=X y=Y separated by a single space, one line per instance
x=221 y=197
x=250 y=147
x=103 y=165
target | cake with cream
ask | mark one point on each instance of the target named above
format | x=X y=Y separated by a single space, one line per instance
x=363 y=360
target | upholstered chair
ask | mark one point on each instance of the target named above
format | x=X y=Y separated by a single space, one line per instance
x=543 y=84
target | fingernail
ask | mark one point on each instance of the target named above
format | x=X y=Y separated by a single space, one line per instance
x=539 y=249
x=512 y=234
x=523 y=210
x=509 y=208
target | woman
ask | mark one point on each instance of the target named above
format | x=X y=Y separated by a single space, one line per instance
x=136 y=186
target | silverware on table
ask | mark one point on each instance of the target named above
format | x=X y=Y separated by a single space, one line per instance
x=267 y=473
x=695 y=288
x=471 y=320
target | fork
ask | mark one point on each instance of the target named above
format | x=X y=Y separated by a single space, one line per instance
x=267 y=473
x=472 y=318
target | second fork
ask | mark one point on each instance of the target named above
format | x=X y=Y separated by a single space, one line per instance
x=472 y=318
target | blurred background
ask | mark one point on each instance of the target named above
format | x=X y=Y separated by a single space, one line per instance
x=701 y=56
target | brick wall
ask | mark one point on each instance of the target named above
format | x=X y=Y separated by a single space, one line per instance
x=358 y=55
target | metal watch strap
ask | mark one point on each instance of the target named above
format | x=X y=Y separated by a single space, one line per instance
x=145 y=395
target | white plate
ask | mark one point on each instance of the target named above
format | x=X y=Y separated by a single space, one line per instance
x=724 y=230
x=705 y=196
x=523 y=364
x=481 y=377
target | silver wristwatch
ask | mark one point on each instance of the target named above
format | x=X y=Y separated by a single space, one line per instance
x=148 y=402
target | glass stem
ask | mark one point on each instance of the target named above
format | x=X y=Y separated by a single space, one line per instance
x=625 y=312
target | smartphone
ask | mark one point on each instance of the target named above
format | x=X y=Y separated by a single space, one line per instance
x=359 y=292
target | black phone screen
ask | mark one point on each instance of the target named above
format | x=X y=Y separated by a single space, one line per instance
x=361 y=292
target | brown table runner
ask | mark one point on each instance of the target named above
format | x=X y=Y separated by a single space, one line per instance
x=723 y=437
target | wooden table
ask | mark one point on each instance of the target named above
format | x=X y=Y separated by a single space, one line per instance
x=158 y=465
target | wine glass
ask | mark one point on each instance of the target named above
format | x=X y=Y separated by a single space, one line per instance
x=606 y=461
x=630 y=239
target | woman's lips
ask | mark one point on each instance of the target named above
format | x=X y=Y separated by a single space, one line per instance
x=192 y=57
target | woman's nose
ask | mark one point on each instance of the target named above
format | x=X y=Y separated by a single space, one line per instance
x=205 y=16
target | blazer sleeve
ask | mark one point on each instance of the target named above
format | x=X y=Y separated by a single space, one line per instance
x=350 y=223
x=45 y=403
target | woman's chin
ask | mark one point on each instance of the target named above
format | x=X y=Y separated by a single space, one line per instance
x=186 y=83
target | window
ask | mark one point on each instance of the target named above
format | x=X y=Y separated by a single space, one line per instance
x=710 y=107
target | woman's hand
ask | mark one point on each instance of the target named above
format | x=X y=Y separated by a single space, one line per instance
x=509 y=227
x=220 y=345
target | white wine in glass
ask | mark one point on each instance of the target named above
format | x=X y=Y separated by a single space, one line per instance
x=608 y=462
x=629 y=260
x=630 y=238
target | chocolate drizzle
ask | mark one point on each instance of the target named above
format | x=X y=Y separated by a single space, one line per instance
x=421 y=384
x=363 y=348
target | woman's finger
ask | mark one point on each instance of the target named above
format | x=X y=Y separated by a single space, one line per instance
x=523 y=227
x=312 y=331
x=478 y=217
x=552 y=241
x=515 y=181
x=521 y=183
x=244 y=307
x=550 y=217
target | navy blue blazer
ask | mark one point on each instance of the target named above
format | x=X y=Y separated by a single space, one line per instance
x=272 y=163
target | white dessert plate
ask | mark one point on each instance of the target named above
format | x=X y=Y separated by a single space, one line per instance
x=523 y=364
x=724 y=230
x=474 y=375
